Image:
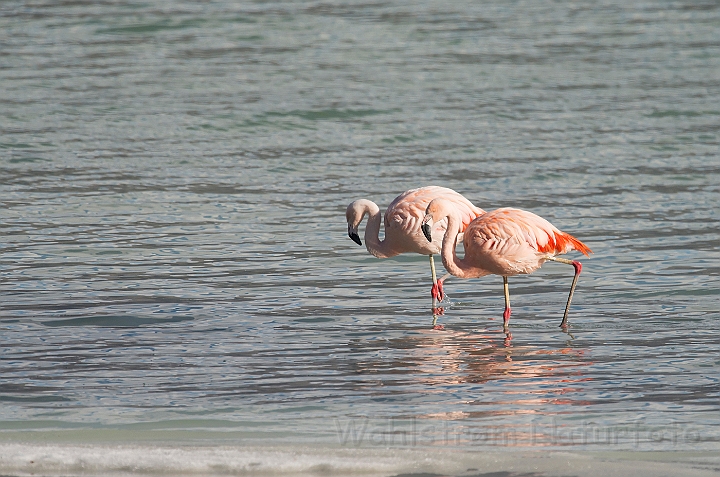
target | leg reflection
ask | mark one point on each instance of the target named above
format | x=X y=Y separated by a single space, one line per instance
x=508 y=342
x=438 y=311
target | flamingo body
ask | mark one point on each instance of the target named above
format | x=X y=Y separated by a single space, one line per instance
x=511 y=242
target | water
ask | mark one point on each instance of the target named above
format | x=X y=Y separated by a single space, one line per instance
x=179 y=293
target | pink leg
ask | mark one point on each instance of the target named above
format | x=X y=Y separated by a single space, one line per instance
x=437 y=296
x=506 y=313
x=506 y=316
x=578 y=268
x=437 y=291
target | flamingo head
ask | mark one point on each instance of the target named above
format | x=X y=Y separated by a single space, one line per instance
x=437 y=211
x=353 y=234
x=433 y=213
x=354 y=216
x=426 y=227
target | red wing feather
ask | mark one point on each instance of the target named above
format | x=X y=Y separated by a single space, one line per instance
x=563 y=243
x=501 y=224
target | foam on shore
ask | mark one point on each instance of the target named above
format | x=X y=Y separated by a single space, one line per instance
x=114 y=460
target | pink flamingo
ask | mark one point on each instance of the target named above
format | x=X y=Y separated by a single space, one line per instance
x=502 y=242
x=403 y=218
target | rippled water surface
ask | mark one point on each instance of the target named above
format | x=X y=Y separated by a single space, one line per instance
x=174 y=257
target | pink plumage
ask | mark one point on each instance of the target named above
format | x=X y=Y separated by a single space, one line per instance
x=503 y=242
x=512 y=241
x=403 y=221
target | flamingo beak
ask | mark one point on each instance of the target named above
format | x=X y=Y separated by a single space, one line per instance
x=352 y=233
x=426 y=227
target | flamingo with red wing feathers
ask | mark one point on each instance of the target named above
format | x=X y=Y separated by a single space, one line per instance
x=502 y=242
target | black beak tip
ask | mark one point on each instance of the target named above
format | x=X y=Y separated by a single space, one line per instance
x=426 y=231
x=355 y=238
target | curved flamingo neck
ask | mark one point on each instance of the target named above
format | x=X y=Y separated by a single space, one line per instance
x=373 y=244
x=451 y=261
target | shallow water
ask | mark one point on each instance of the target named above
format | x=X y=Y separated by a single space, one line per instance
x=175 y=265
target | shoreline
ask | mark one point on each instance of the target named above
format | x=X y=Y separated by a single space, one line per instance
x=292 y=460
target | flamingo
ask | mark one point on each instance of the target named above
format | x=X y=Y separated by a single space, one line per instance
x=403 y=218
x=502 y=242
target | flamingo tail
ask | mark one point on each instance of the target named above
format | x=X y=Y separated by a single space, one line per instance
x=563 y=243
x=575 y=244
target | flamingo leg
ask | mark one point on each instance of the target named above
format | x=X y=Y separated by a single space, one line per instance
x=578 y=268
x=437 y=295
x=506 y=313
x=434 y=280
x=437 y=292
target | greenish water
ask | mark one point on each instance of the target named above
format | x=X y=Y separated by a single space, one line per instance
x=175 y=268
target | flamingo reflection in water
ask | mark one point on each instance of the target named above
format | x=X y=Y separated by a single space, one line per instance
x=514 y=379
